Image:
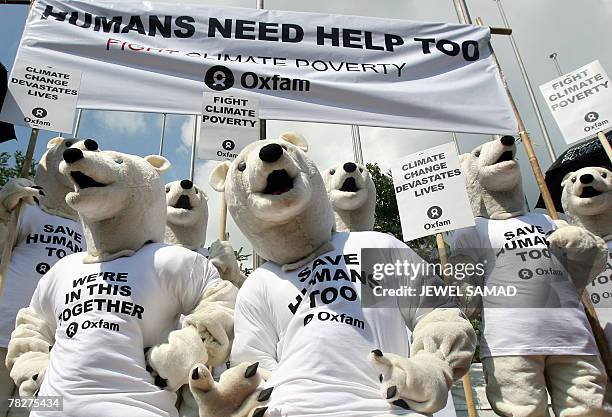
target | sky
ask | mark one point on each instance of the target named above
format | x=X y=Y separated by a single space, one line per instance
x=577 y=30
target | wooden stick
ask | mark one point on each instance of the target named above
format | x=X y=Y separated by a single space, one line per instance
x=606 y=145
x=466 y=381
x=223 y=220
x=501 y=31
x=11 y=228
x=598 y=332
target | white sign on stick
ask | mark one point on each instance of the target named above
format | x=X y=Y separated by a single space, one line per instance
x=430 y=192
x=314 y=67
x=41 y=97
x=580 y=101
x=229 y=123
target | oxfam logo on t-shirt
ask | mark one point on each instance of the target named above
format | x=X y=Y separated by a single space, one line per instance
x=72 y=329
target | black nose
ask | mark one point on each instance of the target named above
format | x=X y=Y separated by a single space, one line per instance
x=507 y=140
x=91 y=145
x=186 y=185
x=271 y=152
x=71 y=155
x=349 y=167
x=586 y=178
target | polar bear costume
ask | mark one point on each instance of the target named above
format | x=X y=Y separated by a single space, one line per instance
x=48 y=230
x=187 y=208
x=353 y=196
x=527 y=351
x=587 y=201
x=101 y=310
x=326 y=353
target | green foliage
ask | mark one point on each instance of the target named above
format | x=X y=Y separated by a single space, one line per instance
x=387 y=218
x=242 y=257
x=10 y=166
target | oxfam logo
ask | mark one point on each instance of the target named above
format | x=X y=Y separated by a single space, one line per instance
x=219 y=78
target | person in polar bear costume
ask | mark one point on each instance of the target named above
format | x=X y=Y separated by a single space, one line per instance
x=300 y=315
x=186 y=224
x=353 y=196
x=187 y=208
x=352 y=193
x=109 y=314
x=527 y=351
x=587 y=202
x=48 y=230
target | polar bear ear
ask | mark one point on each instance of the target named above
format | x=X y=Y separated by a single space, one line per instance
x=295 y=139
x=158 y=162
x=54 y=142
x=218 y=176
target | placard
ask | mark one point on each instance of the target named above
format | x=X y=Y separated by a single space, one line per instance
x=430 y=192
x=229 y=123
x=580 y=101
x=41 y=97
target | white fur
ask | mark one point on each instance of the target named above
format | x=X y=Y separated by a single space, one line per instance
x=206 y=337
x=235 y=395
x=302 y=216
x=353 y=210
x=221 y=255
x=28 y=351
x=441 y=352
x=125 y=213
x=592 y=213
x=495 y=189
x=186 y=227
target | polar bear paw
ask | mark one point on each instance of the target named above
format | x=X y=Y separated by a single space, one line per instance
x=15 y=191
x=169 y=363
x=411 y=383
x=221 y=255
x=237 y=394
x=586 y=253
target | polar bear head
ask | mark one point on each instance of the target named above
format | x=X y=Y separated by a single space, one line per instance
x=187 y=209
x=119 y=197
x=277 y=197
x=353 y=196
x=493 y=180
x=54 y=183
x=587 y=199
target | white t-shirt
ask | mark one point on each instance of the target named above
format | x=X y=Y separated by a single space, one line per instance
x=42 y=239
x=601 y=296
x=104 y=315
x=309 y=328
x=515 y=252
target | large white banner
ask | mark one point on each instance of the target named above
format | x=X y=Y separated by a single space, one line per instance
x=160 y=57
x=580 y=101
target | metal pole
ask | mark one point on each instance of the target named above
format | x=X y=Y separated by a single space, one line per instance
x=258 y=260
x=163 y=135
x=532 y=98
x=357 y=151
x=462 y=12
x=194 y=140
x=553 y=56
x=77 y=125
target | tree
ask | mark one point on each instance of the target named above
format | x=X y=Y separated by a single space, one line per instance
x=12 y=169
x=387 y=219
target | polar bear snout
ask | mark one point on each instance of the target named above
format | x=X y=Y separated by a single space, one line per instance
x=349 y=167
x=72 y=155
x=586 y=178
x=271 y=152
x=507 y=140
x=186 y=184
x=185 y=203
